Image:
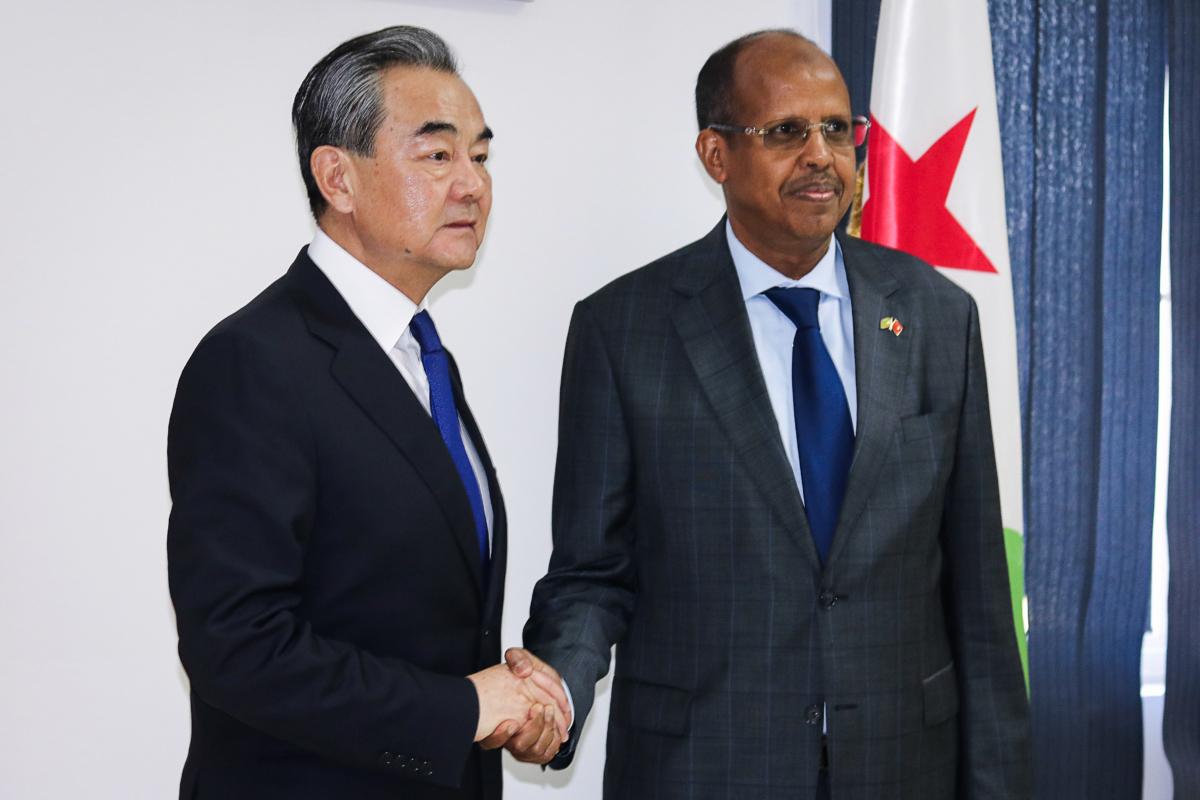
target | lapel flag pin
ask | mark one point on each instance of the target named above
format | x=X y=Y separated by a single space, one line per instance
x=891 y=324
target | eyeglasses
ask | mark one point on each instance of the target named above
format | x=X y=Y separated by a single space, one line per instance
x=792 y=134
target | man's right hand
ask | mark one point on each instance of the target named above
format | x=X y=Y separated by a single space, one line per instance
x=503 y=697
x=538 y=739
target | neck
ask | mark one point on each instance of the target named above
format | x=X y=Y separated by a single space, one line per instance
x=413 y=280
x=794 y=262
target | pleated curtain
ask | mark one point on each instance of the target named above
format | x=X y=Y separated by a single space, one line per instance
x=1080 y=93
x=1181 y=714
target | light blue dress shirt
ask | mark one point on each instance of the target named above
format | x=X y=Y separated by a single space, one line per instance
x=774 y=333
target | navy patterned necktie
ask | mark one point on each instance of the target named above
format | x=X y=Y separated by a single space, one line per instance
x=824 y=433
x=445 y=416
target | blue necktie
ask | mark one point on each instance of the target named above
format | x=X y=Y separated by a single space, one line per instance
x=824 y=434
x=445 y=416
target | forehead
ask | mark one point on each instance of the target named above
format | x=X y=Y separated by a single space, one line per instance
x=781 y=76
x=413 y=96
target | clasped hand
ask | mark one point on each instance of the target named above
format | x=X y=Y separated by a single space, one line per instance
x=522 y=707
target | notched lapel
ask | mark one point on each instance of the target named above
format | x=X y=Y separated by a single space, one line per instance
x=715 y=330
x=881 y=361
x=499 y=561
x=370 y=378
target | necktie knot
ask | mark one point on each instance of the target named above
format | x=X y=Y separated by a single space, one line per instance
x=424 y=331
x=799 y=305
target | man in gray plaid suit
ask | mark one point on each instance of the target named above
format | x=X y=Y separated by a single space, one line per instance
x=808 y=596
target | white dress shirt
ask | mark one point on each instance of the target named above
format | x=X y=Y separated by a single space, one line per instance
x=774 y=333
x=386 y=312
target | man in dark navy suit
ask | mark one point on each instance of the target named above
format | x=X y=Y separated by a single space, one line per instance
x=337 y=540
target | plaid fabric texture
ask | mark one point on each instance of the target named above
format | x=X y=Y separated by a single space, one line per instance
x=680 y=537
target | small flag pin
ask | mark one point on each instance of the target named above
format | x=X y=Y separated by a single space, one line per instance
x=891 y=324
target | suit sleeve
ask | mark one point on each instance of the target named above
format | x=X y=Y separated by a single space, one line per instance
x=581 y=608
x=243 y=476
x=994 y=749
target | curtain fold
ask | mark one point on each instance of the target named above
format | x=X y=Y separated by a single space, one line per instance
x=1181 y=714
x=1080 y=92
x=1081 y=88
x=1117 y=614
x=854 y=25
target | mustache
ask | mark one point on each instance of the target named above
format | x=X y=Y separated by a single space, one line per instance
x=814 y=183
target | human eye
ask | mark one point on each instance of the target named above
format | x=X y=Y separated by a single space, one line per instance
x=480 y=158
x=788 y=133
x=439 y=155
x=838 y=130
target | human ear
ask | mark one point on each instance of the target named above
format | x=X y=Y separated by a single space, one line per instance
x=712 y=147
x=334 y=173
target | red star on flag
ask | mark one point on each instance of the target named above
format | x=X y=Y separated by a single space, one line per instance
x=907 y=204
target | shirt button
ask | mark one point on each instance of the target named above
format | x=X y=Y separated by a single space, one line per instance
x=812 y=715
x=828 y=599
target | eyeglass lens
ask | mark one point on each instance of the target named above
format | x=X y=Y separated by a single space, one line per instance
x=838 y=132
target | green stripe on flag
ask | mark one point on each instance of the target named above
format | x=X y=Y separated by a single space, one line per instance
x=1014 y=546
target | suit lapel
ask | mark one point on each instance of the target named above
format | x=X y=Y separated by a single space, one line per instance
x=366 y=373
x=495 y=587
x=881 y=363
x=715 y=330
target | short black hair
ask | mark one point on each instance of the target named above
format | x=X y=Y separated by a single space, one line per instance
x=714 y=84
x=340 y=102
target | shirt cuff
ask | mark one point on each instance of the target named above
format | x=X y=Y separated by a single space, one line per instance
x=570 y=702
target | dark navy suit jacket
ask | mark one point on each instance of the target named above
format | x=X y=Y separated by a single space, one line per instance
x=323 y=564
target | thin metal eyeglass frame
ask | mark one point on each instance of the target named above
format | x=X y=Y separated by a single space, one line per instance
x=857 y=123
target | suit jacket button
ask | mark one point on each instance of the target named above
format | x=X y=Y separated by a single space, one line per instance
x=386 y=758
x=827 y=599
x=812 y=715
x=487 y=632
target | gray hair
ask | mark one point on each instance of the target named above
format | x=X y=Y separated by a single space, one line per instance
x=340 y=102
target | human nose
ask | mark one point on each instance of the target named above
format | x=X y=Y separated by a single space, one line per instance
x=470 y=179
x=816 y=151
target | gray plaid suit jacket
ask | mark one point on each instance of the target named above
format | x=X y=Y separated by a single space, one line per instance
x=680 y=536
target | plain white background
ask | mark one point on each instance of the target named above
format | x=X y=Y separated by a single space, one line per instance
x=151 y=188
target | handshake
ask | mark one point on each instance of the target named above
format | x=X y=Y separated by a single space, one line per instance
x=522 y=707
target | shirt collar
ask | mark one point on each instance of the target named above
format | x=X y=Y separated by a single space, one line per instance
x=756 y=276
x=383 y=309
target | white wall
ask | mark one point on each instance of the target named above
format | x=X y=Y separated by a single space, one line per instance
x=150 y=189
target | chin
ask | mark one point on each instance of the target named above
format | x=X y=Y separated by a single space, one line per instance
x=815 y=228
x=460 y=263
